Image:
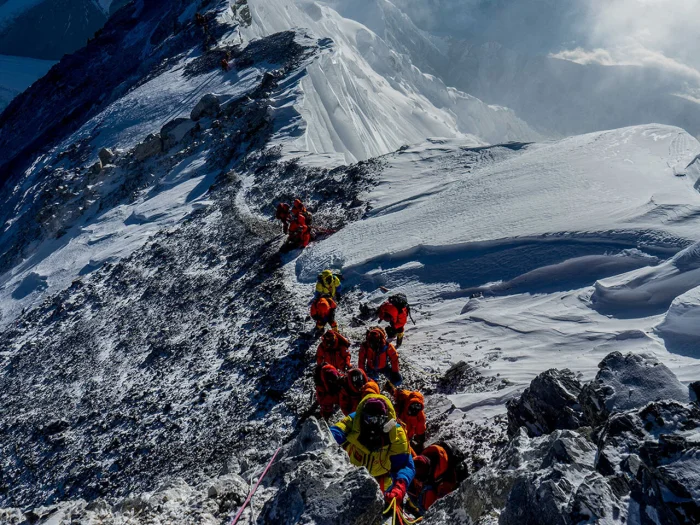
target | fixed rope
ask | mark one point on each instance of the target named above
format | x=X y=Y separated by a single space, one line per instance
x=250 y=496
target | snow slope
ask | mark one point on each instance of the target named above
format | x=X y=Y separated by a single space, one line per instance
x=363 y=98
x=531 y=228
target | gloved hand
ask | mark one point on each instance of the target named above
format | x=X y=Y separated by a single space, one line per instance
x=397 y=491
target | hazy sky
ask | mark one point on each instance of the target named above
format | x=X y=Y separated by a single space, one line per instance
x=659 y=33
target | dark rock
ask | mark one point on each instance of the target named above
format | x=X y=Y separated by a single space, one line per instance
x=151 y=145
x=208 y=106
x=316 y=483
x=176 y=130
x=694 y=388
x=649 y=448
x=628 y=382
x=106 y=156
x=550 y=403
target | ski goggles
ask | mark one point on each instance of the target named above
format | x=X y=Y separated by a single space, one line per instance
x=373 y=420
x=414 y=409
x=357 y=380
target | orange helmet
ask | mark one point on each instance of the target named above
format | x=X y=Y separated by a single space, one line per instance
x=376 y=338
x=330 y=338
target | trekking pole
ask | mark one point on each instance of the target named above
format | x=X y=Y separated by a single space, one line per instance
x=411 y=316
x=250 y=496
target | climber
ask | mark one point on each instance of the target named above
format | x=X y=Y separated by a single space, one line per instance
x=282 y=214
x=410 y=411
x=323 y=312
x=354 y=389
x=379 y=356
x=225 y=65
x=327 y=380
x=436 y=476
x=329 y=283
x=374 y=440
x=395 y=311
x=299 y=233
x=334 y=350
x=298 y=209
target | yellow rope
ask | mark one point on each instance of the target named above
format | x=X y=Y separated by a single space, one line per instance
x=392 y=506
x=402 y=517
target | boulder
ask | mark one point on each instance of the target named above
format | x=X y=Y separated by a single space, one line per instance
x=314 y=482
x=208 y=106
x=176 y=130
x=531 y=482
x=106 y=156
x=549 y=403
x=651 y=455
x=628 y=382
x=694 y=389
x=151 y=145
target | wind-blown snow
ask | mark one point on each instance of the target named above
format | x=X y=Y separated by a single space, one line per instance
x=363 y=99
x=599 y=185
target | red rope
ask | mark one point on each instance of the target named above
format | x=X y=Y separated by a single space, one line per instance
x=245 y=503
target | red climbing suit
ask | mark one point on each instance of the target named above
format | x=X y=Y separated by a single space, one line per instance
x=334 y=350
x=327 y=380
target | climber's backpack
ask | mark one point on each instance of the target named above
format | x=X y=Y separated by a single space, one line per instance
x=456 y=459
x=308 y=216
x=399 y=301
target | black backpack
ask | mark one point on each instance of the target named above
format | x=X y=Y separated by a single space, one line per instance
x=457 y=460
x=399 y=301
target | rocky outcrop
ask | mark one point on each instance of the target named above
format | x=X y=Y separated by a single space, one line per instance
x=151 y=145
x=651 y=455
x=638 y=466
x=694 y=388
x=208 y=503
x=208 y=106
x=315 y=483
x=311 y=480
x=106 y=156
x=550 y=403
x=174 y=131
x=628 y=382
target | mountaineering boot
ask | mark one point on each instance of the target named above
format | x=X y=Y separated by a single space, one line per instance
x=399 y=339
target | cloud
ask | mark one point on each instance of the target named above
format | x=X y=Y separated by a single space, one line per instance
x=661 y=34
x=632 y=54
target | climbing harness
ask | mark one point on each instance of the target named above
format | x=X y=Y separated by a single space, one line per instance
x=250 y=496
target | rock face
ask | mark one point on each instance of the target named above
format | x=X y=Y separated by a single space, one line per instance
x=652 y=455
x=175 y=130
x=208 y=106
x=315 y=483
x=639 y=466
x=627 y=382
x=550 y=403
x=695 y=391
x=310 y=481
x=106 y=156
x=151 y=145
x=175 y=502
